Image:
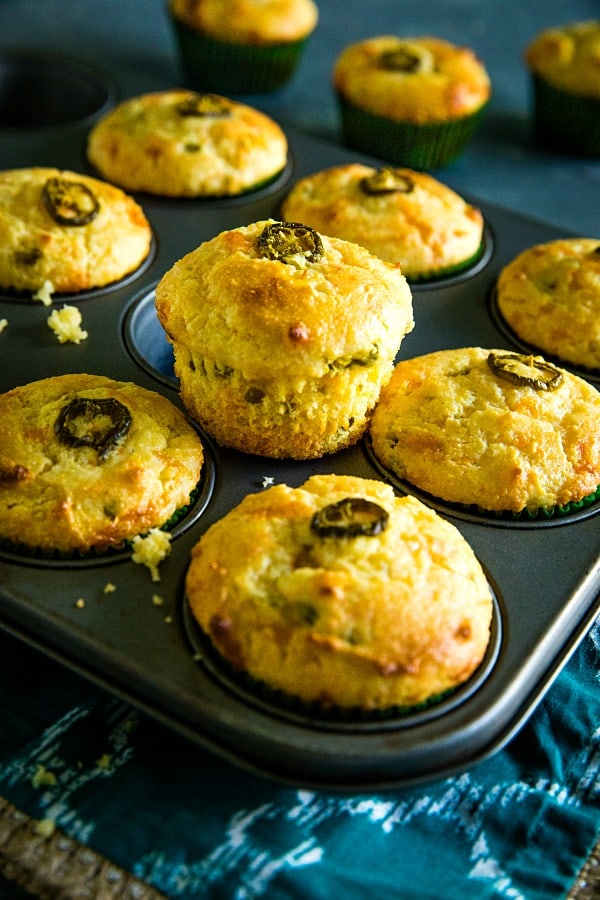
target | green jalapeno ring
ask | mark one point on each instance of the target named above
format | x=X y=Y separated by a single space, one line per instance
x=517 y=368
x=87 y=410
x=69 y=202
x=350 y=517
x=283 y=240
x=387 y=180
x=210 y=106
x=400 y=60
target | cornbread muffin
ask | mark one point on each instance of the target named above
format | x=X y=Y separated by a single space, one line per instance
x=414 y=101
x=550 y=297
x=283 y=337
x=87 y=463
x=67 y=231
x=500 y=430
x=241 y=46
x=405 y=217
x=342 y=594
x=178 y=143
x=563 y=64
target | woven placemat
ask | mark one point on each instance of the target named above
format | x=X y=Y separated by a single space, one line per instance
x=41 y=861
x=587 y=883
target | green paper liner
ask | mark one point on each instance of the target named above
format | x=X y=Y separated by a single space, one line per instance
x=420 y=147
x=225 y=68
x=565 y=121
x=557 y=511
x=525 y=515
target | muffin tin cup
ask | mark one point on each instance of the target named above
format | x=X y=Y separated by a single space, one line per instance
x=40 y=91
x=545 y=580
x=278 y=705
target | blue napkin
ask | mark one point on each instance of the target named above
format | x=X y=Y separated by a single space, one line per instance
x=518 y=825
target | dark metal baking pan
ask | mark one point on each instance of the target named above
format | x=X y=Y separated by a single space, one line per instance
x=47 y=91
x=545 y=580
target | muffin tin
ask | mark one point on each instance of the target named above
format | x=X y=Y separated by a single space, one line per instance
x=138 y=640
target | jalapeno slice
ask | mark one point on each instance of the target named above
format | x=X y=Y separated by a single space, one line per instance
x=350 y=517
x=387 y=180
x=83 y=423
x=204 y=106
x=406 y=58
x=286 y=240
x=69 y=202
x=525 y=370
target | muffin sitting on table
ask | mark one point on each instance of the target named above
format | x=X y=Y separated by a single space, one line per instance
x=563 y=64
x=241 y=46
x=403 y=216
x=415 y=101
x=179 y=143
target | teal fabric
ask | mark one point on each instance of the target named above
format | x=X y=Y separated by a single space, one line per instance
x=518 y=825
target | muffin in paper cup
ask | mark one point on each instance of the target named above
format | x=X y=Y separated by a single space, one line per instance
x=405 y=217
x=549 y=297
x=563 y=65
x=283 y=337
x=182 y=143
x=506 y=433
x=241 y=47
x=415 y=102
x=88 y=463
x=341 y=594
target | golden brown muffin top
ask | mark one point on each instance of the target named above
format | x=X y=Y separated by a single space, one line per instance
x=405 y=217
x=568 y=57
x=68 y=229
x=501 y=430
x=414 y=79
x=293 y=314
x=340 y=592
x=180 y=143
x=250 y=22
x=550 y=296
x=87 y=462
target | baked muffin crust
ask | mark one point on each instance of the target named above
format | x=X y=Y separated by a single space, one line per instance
x=74 y=476
x=368 y=621
x=277 y=357
x=426 y=79
x=180 y=143
x=254 y=22
x=403 y=216
x=451 y=426
x=68 y=229
x=568 y=57
x=550 y=296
